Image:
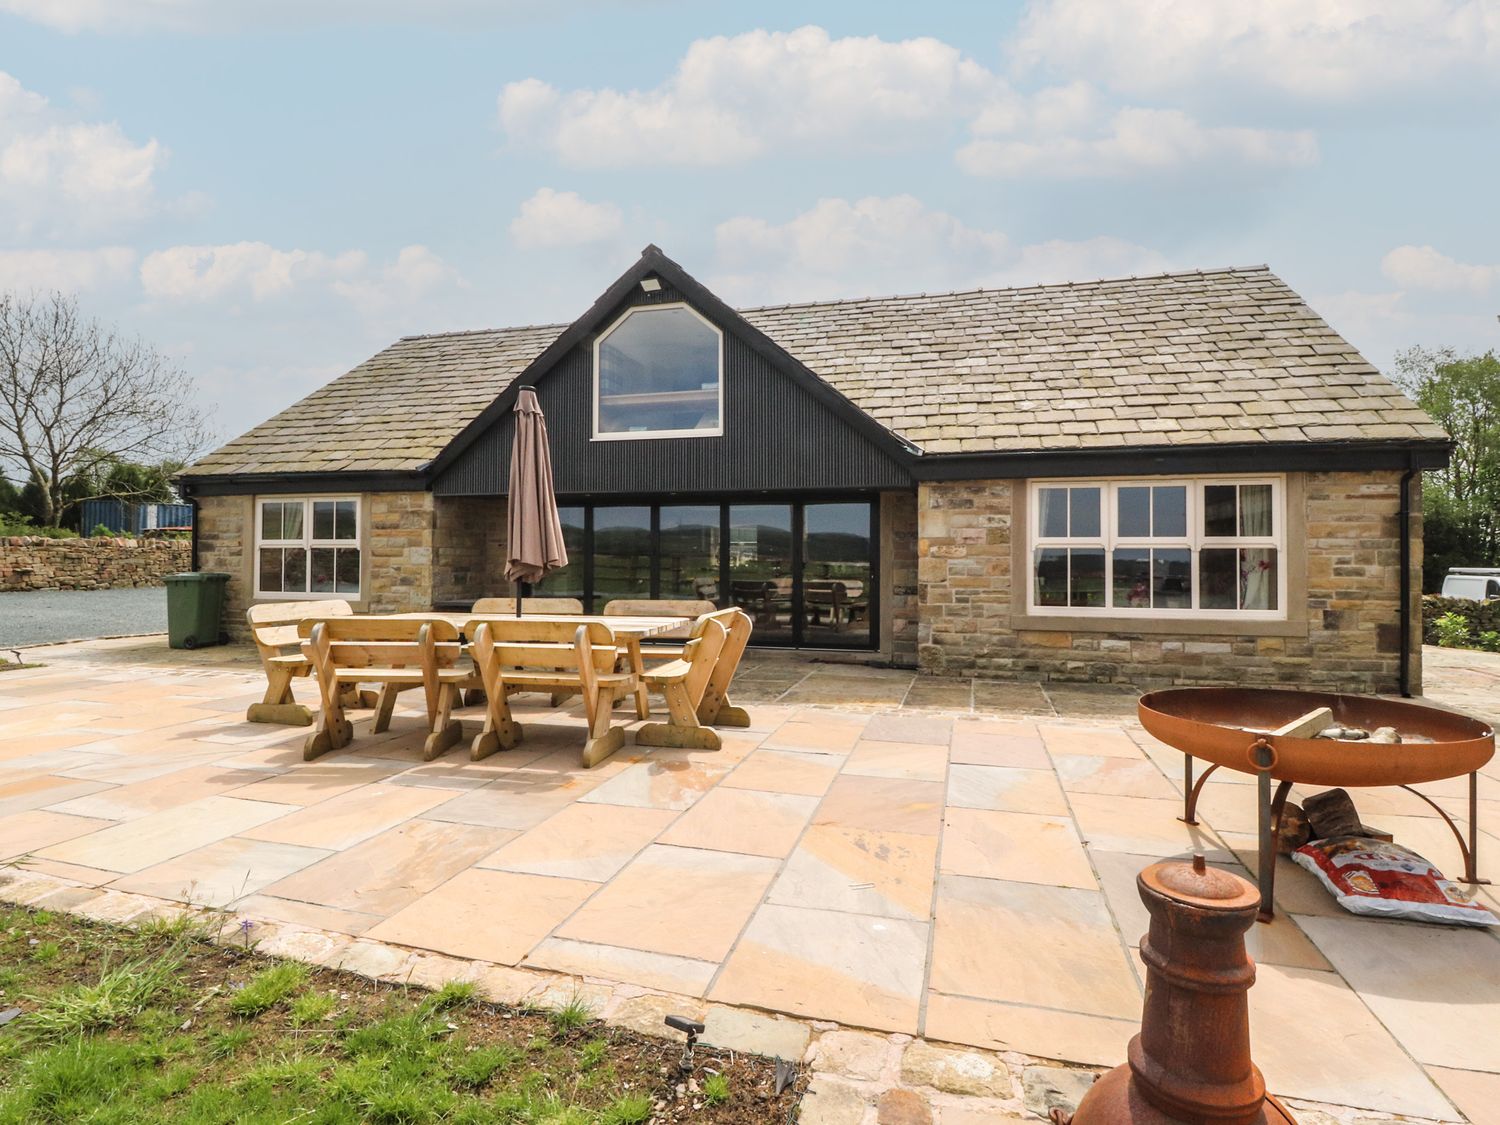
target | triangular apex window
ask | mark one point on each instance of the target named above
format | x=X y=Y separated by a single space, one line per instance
x=659 y=372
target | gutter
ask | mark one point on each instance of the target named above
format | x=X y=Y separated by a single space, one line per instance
x=1404 y=518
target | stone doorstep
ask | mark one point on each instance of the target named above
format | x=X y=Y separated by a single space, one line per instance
x=860 y=1077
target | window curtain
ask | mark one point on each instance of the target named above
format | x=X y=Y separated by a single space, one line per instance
x=1257 y=578
x=1255 y=509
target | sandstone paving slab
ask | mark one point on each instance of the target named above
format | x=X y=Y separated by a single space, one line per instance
x=582 y=841
x=1332 y=1049
x=127 y=769
x=1475 y=1093
x=940 y=695
x=854 y=968
x=680 y=901
x=1437 y=988
x=460 y=917
x=933 y=730
x=979 y=744
x=36 y=791
x=684 y=976
x=513 y=802
x=343 y=821
x=77 y=873
x=785 y=771
x=659 y=784
x=1011 y=698
x=22 y=833
x=314 y=782
x=158 y=837
x=221 y=872
x=1278 y=942
x=310 y=914
x=883 y=804
x=860 y=871
x=736 y=1029
x=849 y=691
x=743 y=821
x=915 y=761
x=387 y=872
x=1120 y=777
x=827 y=735
x=1109 y=741
x=1024 y=847
x=1140 y=825
x=1006 y=789
x=141 y=798
x=1049 y=1033
x=1031 y=944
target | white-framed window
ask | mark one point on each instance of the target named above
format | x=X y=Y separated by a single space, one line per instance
x=659 y=372
x=307 y=546
x=1158 y=547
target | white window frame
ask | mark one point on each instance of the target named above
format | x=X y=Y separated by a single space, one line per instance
x=1195 y=541
x=633 y=435
x=307 y=542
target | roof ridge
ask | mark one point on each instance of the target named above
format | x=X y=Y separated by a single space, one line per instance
x=482 y=331
x=1261 y=268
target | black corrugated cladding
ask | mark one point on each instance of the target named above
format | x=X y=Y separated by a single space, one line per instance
x=777 y=437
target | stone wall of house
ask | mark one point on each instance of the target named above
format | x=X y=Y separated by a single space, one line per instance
x=399 y=537
x=32 y=562
x=468 y=548
x=226 y=538
x=899 y=605
x=1346 y=628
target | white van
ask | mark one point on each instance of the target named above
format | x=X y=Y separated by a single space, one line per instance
x=1476 y=583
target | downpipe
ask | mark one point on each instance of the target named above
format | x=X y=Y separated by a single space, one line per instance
x=1404 y=518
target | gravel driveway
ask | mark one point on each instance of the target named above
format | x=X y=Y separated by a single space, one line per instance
x=36 y=616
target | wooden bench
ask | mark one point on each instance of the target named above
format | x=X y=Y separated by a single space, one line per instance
x=528 y=605
x=397 y=653
x=696 y=685
x=661 y=607
x=515 y=654
x=273 y=627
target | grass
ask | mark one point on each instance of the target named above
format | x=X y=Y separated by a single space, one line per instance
x=157 y=1025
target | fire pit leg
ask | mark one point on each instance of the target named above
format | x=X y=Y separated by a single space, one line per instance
x=1190 y=797
x=1264 y=758
x=1468 y=850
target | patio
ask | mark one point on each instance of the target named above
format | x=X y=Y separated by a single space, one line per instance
x=941 y=858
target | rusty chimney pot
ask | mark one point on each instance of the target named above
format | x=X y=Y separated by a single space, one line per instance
x=1191 y=1061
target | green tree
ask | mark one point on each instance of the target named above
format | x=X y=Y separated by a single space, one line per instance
x=1461 y=504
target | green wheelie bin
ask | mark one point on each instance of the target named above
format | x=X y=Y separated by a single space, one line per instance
x=195 y=605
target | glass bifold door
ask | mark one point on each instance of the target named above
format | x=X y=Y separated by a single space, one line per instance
x=804 y=571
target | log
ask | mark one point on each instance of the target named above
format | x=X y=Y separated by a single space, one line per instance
x=1307 y=726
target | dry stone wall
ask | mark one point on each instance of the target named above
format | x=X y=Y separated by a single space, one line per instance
x=35 y=563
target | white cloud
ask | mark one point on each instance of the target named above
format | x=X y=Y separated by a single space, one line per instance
x=1334 y=49
x=61 y=177
x=733 y=98
x=69 y=271
x=1069 y=132
x=202 y=273
x=1422 y=267
x=415 y=274
x=872 y=246
x=564 y=218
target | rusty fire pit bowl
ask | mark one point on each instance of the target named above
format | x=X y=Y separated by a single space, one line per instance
x=1221 y=725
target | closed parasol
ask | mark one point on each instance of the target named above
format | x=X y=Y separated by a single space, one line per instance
x=534 y=535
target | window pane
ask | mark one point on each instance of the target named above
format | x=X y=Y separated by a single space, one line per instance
x=1169 y=511
x=760 y=566
x=347 y=523
x=1134 y=512
x=1132 y=578
x=1053 y=512
x=1218 y=509
x=659 y=370
x=837 y=574
x=294 y=570
x=689 y=563
x=270 y=570
x=322 y=519
x=1172 y=578
x=346 y=571
x=270 y=523
x=1255 y=509
x=1083 y=516
x=291 y=519
x=322 y=565
x=567 y=582
x=1052 y=576
x=1258 y=580
x=622 y=554
x=1086 y=580
x=1218 y=579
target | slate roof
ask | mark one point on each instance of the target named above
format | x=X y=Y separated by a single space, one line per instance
x=1199 y=358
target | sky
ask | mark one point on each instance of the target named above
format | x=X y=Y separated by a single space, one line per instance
x=270 y=191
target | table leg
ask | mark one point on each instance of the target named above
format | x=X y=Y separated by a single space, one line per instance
x=638 y=666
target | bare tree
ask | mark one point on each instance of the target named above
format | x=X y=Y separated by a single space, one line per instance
x=74 y=395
